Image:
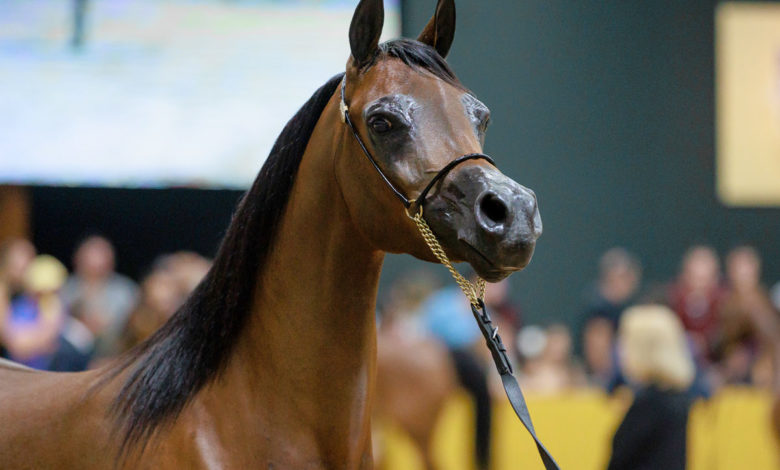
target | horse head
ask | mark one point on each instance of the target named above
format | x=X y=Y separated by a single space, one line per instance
x=414 y=117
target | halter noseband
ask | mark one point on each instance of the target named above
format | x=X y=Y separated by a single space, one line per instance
x=420 y=199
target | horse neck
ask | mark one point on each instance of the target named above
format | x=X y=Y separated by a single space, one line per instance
x=308 y=355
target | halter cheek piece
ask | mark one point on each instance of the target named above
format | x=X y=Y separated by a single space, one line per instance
x=420 y=199
x=475 y=295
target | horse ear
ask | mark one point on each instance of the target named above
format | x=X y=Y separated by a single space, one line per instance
x=365 y=30
x=440 y=30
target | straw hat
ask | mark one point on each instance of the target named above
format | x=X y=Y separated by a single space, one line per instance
x=654 y=348
x=45 y=274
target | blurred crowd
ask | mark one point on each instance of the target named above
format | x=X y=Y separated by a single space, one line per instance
x=54 y=320
x=58 y=320
x=715 y=324
x=721 y=310
x=727 y=314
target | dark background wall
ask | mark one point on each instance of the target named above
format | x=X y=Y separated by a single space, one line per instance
x=605 y=109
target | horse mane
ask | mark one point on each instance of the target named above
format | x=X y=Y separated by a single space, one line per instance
x=194 y=347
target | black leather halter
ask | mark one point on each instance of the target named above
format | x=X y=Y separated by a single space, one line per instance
x=420 y=199
x=489 y=332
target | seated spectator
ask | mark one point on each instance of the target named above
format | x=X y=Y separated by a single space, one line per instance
x=657 y=362
x=598 y=351
x=159 y=301
x=163 y=291
x=739 y=347
x=98 y=296
x=548 y=367
x=31 y=326
x=401 y=316
x=696 y=297
x=15 y=256
x=620 y=275
x=187 y=270
x=33 y=320
x=507 y=318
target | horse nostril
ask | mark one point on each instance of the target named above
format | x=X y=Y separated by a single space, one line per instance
x=494 y=208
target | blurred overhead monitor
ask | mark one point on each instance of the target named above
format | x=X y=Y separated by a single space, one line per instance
x=160 y=93
x=748 y=103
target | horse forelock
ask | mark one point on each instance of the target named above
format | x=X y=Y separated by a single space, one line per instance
x=419 y=56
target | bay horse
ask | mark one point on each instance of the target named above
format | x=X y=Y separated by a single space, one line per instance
x=271 y=361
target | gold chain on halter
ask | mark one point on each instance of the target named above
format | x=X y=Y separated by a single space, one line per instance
x=474 y=292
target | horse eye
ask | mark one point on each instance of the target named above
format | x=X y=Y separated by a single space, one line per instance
x=380 y=124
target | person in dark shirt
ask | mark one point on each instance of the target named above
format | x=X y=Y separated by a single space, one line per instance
x=656 y=359
x=653 y=432
x=620 y=275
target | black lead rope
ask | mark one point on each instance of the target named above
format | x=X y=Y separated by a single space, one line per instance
x=492 y=339
x=511 y=387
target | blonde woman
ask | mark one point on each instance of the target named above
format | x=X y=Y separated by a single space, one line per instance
x=656 y=359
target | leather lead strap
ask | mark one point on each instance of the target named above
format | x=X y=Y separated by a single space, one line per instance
x=511 y=387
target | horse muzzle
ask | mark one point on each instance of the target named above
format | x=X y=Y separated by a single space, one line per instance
x=487 y=219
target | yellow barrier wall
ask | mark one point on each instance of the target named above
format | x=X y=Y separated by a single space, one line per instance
x=731 y=431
